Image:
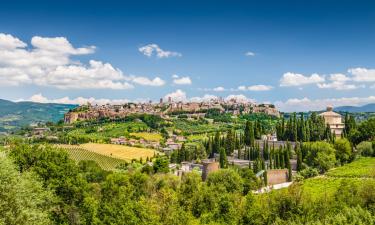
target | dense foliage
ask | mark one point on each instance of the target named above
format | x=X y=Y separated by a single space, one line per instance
x=84 y=194
x=299 y=128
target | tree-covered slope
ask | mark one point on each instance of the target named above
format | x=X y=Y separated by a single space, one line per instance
x=17 y=114
x=353 y=109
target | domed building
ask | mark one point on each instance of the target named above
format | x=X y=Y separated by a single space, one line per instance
x=334 y=120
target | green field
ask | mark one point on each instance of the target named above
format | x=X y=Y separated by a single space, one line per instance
x=355 y=173
x=105 y=162
x=110 y=130
x=189 y=127
x=363 y=167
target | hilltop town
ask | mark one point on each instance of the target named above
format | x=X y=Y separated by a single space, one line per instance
x=168 y=108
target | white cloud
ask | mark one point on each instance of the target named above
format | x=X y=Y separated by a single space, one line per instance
x=157 y=81
x=219 y=89
x=79 y=100
x=337 y=86
x=181 y=80
x=7 y=41
x=97 y=75
x=151 y=49
x=242 y=88
x=205 y=98
x=338 y=82
x=48 y=63
x=59 y=45
x=295 y=79
x=239 y=98
x=249 y=54
x=260 y=87
x=339 y=77
x=177 y=95
x=306 y=104
x=362 y=74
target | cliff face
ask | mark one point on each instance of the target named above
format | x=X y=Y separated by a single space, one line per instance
x=72 y=117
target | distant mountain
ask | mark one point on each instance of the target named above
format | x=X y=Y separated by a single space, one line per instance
x=17 y=114
x=356 y=109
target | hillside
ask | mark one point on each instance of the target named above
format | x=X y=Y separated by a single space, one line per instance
x=17 y=114
x=355 y=109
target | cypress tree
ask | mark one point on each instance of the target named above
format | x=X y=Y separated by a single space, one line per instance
x=283 y=128
x=295 y=128
x=286 y=158
x=216 y=143
x=251 y=135
x=255 y=166
x=223 y=158
x=247 y=133
x=265 y=178
x=289 y=171
x=299 y=157
x=229 y=142
x=281 y=157
x=277 y=160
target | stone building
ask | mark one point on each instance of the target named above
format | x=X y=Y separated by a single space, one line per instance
x=277 y=176
x=334 y=120
x=209 y=167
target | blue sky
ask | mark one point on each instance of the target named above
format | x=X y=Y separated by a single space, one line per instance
x=203 y=43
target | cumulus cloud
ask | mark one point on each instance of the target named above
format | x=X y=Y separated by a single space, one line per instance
x=306 y=104
x=48 y=63
x=204 y=98
x=177 y=95
x=181 y=80
x=295 y=79
x=239 y=98
x=259 y=87
x=249 y=53
x=362 y=74
x=219 y=89
x=78 y=101
x=356 y=78
x=153 y=49
x=338 y=82
x=157 y=81
x=7 y=41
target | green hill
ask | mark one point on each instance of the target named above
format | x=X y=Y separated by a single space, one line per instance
x=14 y=115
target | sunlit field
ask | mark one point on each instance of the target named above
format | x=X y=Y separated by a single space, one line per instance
x=117 y=151
x=148 y=136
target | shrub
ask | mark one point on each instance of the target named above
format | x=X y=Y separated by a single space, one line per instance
x=365 y=148
x=309 y=172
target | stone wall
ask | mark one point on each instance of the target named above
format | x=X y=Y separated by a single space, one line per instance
x=277 y=176
x=209 y=167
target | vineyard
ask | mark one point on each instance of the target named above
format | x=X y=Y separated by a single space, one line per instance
x=120 y=151
x=105 y=162
x=363 y=167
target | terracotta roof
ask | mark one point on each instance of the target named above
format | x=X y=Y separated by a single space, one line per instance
x=330 y=113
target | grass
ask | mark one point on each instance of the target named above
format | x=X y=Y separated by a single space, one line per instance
x=361 y=168
x=147 y=136
x=324 y=186
x=109 y=130
x=80 y=154
x=355 y=173
x=197 y=137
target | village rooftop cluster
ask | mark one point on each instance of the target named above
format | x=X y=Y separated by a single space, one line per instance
x=168 y=109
